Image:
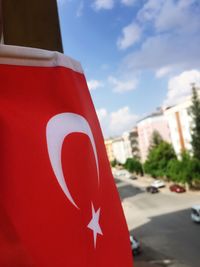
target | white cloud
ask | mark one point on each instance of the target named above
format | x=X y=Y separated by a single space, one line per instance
x=163 y=71
x=104 y=119
x=128 y=2
x=103 y=4
x=94 y=84
x=180 y=86
x=150 y=10
x=102 y=113
x=79 y=11
x=177 y=16
x=174 y=42
x=177 y=51
x=130 y=35
x=122 y=120
x=121 y=86
x=116 y=122
x=173 y=15
x=169 y=17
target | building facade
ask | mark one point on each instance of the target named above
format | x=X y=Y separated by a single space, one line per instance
x=134 y=143
x=127 y=145
x=131 y=143
x=109 y=149
x=124 y=147
x=119 y=150
x=146 y=127
x=180 y=124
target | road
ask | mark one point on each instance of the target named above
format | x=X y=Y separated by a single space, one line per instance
x=162 y=223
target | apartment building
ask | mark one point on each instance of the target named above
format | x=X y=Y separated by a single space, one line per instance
x=109 y=149
x=124 y=147
x=180 y=124
x=119 y=150
x=154 y=122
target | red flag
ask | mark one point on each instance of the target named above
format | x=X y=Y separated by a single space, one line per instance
x=58 y=202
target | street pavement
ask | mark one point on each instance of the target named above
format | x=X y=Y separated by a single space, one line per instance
x=162 y=223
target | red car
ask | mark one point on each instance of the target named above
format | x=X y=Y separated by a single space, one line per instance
x=177 y=188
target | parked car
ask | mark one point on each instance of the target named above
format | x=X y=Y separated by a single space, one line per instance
x=135 y=245
x=122 y=173
x=128 y=175
x=152 y=189
x=133 y=177
x=177 y=188
x=158 y=184
x=195 y=213
x=125 y=174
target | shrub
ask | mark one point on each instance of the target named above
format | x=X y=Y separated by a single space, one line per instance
x=158 y=159
x=133 y=165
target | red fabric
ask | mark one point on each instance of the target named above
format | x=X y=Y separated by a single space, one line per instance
x=39 y=226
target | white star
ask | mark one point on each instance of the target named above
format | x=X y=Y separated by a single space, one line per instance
x=94 y=224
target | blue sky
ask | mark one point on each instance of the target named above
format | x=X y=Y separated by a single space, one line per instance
x=137 y=54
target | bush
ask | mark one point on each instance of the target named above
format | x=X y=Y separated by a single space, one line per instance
x=173 y=169
x=158 y=159
x=133 y=165
x=185 y=170
x=114 y=163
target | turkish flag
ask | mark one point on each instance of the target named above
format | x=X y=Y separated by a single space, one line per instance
x=58 y=202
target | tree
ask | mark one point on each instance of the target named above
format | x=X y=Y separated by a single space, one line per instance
x=158 y=159
x=133 y=165
x=156 y=139
x=185 y=170
x=180 y=170
x=114 y=163
x=195 y=113
x=173 y=170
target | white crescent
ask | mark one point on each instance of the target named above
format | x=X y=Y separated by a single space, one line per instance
x=58 y=127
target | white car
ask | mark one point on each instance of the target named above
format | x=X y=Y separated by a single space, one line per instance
x=158 y=184
x=195 y=213
x=128 y=175
x=122 y=173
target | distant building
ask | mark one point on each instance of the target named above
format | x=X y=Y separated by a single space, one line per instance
x=127 y=145
x=180 y=123
x=131 y=143
x=119 y=150
x=154 y=122
x=124 y=147
x=109 y=149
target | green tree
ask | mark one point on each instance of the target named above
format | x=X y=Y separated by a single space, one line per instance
x=180 y=170
x=114 y=163
x=195 y=169
x=158 y=159
x=156 y=139
x=185 y=170
x=173 y=170
x=133 y=165
x=195 y=113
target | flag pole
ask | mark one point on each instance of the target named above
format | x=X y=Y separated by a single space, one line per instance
x=1 y=23
x=32 y=23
